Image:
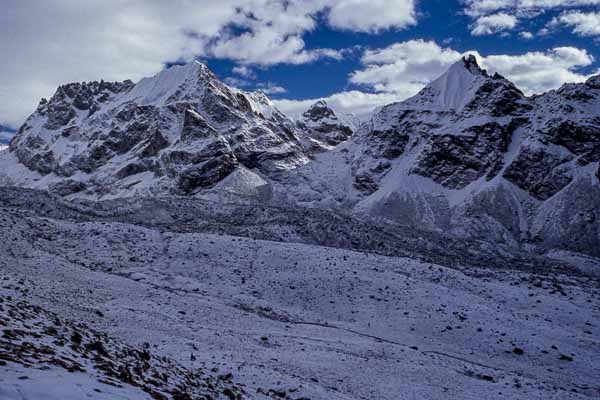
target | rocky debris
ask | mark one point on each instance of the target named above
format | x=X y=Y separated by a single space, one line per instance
x=279 y=224
x=206 y=173
x=37 y=339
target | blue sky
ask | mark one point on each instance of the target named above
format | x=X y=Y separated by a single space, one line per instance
x=357 y=54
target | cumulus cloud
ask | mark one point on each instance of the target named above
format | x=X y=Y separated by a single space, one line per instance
x=45 y=44
x=498 y=16
x=354 y=102
x=495 y=23
x=372 y=15
x=244 y=70
x=476 y=8
x=394 y=73
x=537 y=72
x=271 y=88
x=583 y=24
x=403 y=68
x=237 y=82
x=526 y=35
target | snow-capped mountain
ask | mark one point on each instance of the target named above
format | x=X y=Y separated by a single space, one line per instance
x=470 y=154
x=176 y=132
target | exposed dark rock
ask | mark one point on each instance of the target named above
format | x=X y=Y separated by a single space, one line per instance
x=390 y=143
x=582 y=139
x=207 y=173
x=321 y=127
x=154 y=144
x=365 y=183
x=67 y=187
x=455 y=160
x=133 y=168
x=539 y=172
x=195 y=127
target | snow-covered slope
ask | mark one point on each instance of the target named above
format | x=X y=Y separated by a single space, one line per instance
x=278 y=320
x=44 y=356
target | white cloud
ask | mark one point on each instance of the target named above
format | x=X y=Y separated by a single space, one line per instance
x=404 y=68
x=354 y=102
x=401 y=70
x=237 y=82
x=476 y=8
x=495 y=23
x=526 y=35
x=45 y=46
x=271 y=88
x=244 y=70
x=271 y=33
x=372 y=15
x=537 y=72
x=583 y=24
x=71 y=40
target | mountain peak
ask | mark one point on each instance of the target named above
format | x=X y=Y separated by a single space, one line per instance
x=470 y=63
x=454 y=89
x=319 y=104
x=319 y=111
x=465 y=85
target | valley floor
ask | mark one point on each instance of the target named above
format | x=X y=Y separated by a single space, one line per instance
x=291 y=320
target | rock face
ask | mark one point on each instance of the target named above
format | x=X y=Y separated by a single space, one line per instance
x=176 y=132
x=321 y=128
